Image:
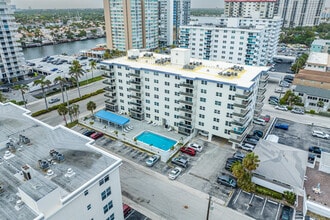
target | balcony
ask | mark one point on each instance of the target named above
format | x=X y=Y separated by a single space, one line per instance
x=186 y=102
x=238 y=134
x=260 y=98
x=111 y=107
x=241 y=121
x=184 y=128
x=109 y=74
x=109 y=81
x=242 y=104
x=262 y=84
x=241 y=112
x=187 y=94
x=110 y=94
x=136 y=110
x=185 y=117
x=136 y=103
x=259 y=105
x=186 y=110
x=137 y=75
x=111 y=101
x=264 y=77
x=244 y=95
x=187 y=85
x=261 y=91
x=135 y=89
x=135 y=82
x=136 y=96
x=110 y=88
x=135 y=115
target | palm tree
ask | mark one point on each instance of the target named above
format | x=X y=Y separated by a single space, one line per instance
x=91 y=106
x=43 y=83
x=251 y=162
x=23 y=88
x=61 y=81
x=93 y=64
x=63 y=110
x=74 y=111
x=320 y=104
x=76 y=72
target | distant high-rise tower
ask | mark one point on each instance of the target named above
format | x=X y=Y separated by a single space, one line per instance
x=11 y=56
x=300 y=13
x=172 y=14
x=250 y=8
x=131 y=24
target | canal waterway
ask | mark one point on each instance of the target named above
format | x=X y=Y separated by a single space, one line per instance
x=69 y=48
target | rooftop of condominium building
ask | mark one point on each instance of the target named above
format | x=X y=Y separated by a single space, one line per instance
x=37 y=159
x=180 y=63
x=319 y=58
x=321 y=42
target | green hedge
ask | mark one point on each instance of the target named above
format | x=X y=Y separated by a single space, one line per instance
x=55 y=107
x=268 y=192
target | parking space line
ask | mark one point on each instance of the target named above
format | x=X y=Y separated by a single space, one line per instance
x=259 y=197
x=250 y=202
x=235 y=200
x=278 y=210
x=263 y=207
x=275 y=203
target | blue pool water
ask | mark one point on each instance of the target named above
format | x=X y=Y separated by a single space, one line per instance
x=156 y=140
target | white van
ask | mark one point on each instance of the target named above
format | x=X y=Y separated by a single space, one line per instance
x=259 y=121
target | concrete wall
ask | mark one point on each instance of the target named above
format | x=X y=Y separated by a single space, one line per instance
x=318 y=209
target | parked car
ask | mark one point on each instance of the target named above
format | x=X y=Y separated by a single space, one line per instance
x=96 y=135
x=279 y=90
x=152 y=160
x=180 y=161
x=227 y=181
x=251 y=141
x=53 y=100
x=239 y=155
x=274 y=98
x=281 y=107
x=258 y=133
x=286 y=213
x=196 y=147
x=188 y=150
x=283 y=126
x=315 y=150
x=266 y=118
x=247 y=147
x=320 y=134
x=126 y=210
x=284 y=84
x=298 y=111
x=253 y=137
x=273 y=102
x=259 y=121
x=88 y=133
x=174 y=173
x=203 y=133
x=54 y=69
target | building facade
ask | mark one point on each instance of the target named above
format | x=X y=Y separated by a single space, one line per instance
x=186 y=94
x=320 y=46
x=248 y=8
x=300 y=13
x=131 y=24
x=11 y=56
x=172 y=14
x=237 y=40
x=54 y=172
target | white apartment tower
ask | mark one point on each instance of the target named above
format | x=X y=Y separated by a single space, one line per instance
x=11 y=56
x=190 y=95
x=300 y=13
x=248 y=8
x=53 y=172
x=131 y=24
x=172 y=14
x=238 y=40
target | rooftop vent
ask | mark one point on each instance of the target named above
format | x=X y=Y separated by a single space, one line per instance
x=19 y=204
x=23 y=139
x=56 y=155
x=69 y=173
x=8 y=155
x=26 y=172
x=148 y=54
x=133 y=57
x=50 y=172
x=43 y=164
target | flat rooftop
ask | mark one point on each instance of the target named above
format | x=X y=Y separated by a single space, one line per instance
x=318 y=58
x=217 y=71
x=313 y=75
x=84 y=160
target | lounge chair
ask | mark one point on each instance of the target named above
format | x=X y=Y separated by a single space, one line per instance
x=154 y=124
x=169 y=129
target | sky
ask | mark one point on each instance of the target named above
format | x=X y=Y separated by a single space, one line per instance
x=45 y=4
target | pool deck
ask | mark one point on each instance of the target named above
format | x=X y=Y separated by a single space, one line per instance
x=138 y=127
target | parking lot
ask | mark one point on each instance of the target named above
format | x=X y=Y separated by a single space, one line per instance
x=255 y=206
x=201 y=173
x=300 y=135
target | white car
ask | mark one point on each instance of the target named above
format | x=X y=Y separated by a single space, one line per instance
x=247 y=147
x=320 y=134
x=174 y=173
x=259 y=121
x=281 y=107
x=203 y=133
x=196 y=147
x=152 y=160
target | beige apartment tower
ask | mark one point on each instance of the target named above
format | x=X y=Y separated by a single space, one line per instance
x=131 y=24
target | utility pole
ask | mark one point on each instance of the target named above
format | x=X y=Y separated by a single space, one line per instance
x=208 y=208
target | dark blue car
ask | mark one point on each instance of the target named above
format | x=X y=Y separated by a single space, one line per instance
x=283 y=126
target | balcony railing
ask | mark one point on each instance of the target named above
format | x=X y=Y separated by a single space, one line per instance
x=242 y=104
x=240 y=121
x=261 y=91
x=111 y=101
x=187 y=94
x=109 y=81
x=185 y=117
x=186 y=102
x=244 y=95
x=186 y=110
x=110 y=94
x=260 y=98
x=241 y=112
x=187 y=85
x=110 y=88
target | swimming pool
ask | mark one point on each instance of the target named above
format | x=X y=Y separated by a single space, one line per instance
x=155 y=140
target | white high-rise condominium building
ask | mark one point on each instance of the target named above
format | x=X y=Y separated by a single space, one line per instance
x=237 y=40
x=248 y=8
x=131 y=24
x=189 y=95
x=172 y=14
x=300 y=13
x=54 y=172
x=11 y=56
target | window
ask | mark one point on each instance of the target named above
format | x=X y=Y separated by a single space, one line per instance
x=147 y=94
x=217 y=111
x=216 y=119
x=155 y=80
x=86 y=192
x=147 y=87
x=156 y=89
x=227 y=131
x=89 y=206
x=156 y=96
x=167 y=75
x=111 y=217
x=156 y=103
x=167 y=91
x=167 y=99
x=217 y=103
x=201 y=123
x=232 y=88
x=105 y=193
x=215 y=127
x=167 y=114
x=104 y=180
x=147 y=101
x=156 y=111
x=203 y=91
x=229 y=115
x=228 y=123
x=107 y=207
x=230 y=106
x=146 y=79
x=201 y=116
x=202 y=108
x=167 y=106
x=231 y=97
x=203 y=99
x=219 y=85
x=167 y=83
x=204 y=82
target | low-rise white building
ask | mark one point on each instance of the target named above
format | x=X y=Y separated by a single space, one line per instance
x=236 y=40
x=189 y=95
x=53 y=172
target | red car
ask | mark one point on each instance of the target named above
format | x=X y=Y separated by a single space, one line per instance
x=188 y=150
x=126 y=210
x=96 y=135
x=266 y=118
